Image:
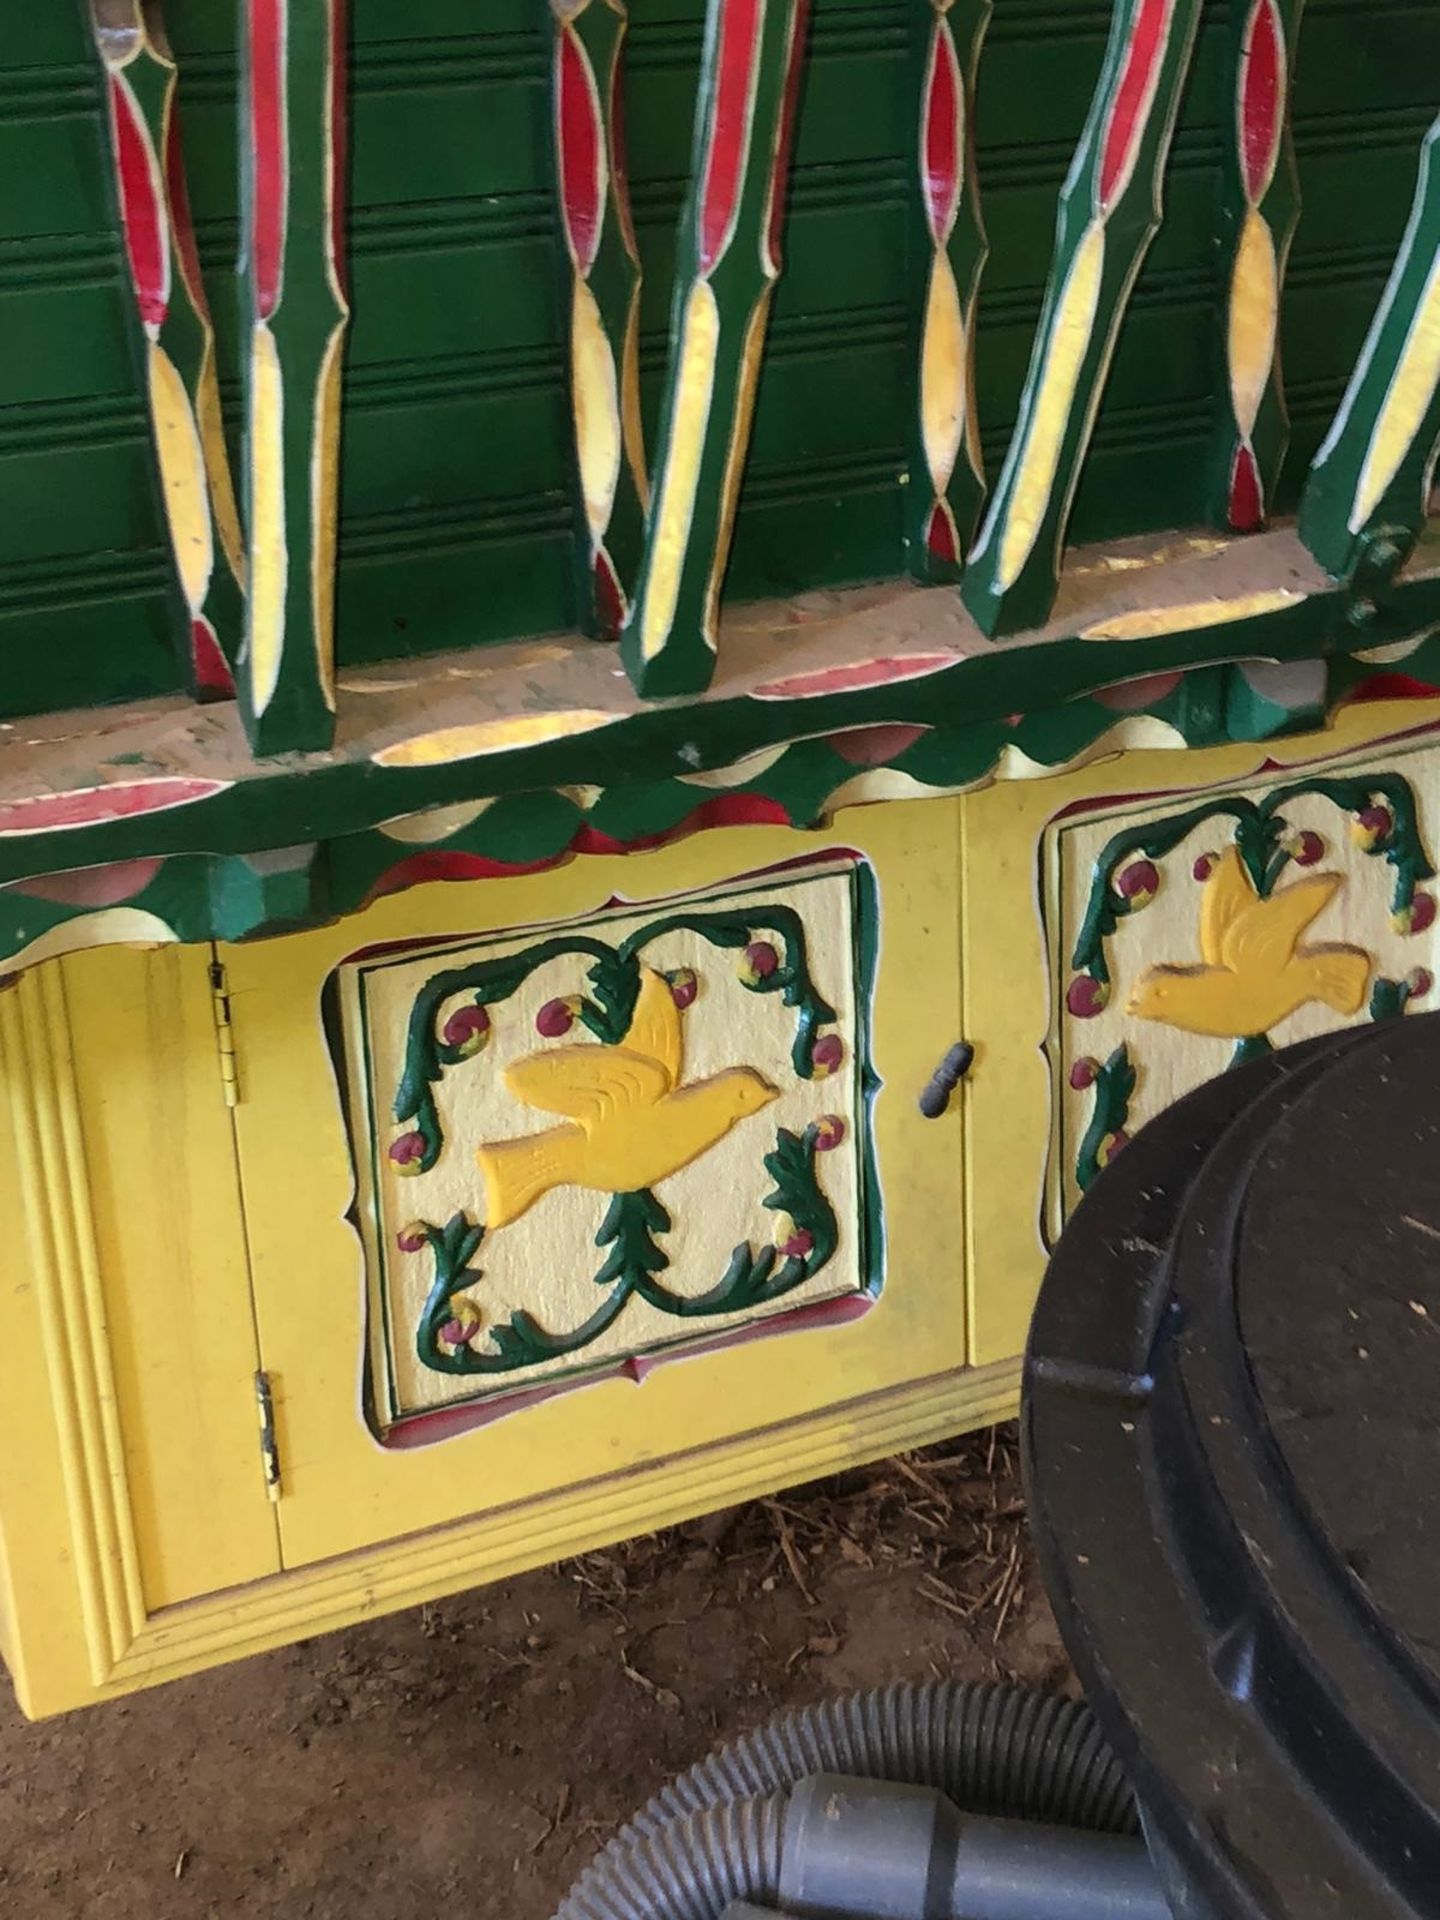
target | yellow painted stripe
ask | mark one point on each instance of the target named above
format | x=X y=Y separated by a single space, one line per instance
x=491 y=736
x=1254 y=316
x=1054 y=401
x=1148 y=622
x=943 y=377
x=597 y=409
x=325 y=508
x=225 y=512
x=269 y=562
x=182 y=477
x=750 y=357
x=680 y=480
x=1411 y=395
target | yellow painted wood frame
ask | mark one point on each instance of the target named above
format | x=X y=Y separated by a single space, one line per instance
x=127 y=1344
x=1012 y=989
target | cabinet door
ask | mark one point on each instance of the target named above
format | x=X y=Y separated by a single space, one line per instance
x=1133 y=929
x=132 y=1476
x=602 y=1195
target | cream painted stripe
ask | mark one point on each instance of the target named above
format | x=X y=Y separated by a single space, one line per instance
x=680 y=481
x=1412 y=393
x=1045 y=429
x=269 y=563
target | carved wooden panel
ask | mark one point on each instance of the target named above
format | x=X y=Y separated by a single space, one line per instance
x=1207 y=928
x=580 y=1144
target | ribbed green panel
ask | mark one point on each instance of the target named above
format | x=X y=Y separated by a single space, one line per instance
x=456 y=499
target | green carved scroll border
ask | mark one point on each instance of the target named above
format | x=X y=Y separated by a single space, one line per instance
x=751 y=1279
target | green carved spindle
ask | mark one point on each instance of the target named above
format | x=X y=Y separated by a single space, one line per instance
x=1366 y=499
x=604 y=306
x=176 y=338
x=946 y=475
x=1109 y=213
x=729 y=261
x=292 y=133
x=1260 y=212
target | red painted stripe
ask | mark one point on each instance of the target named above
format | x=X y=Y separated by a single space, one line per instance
x=581 y=138
x=735 y=65
x=182 y=226
x=609 y=596
x=874 y=746
x=92 y=806
x=1247 y=496
x=941 y=172
x=1261 y=105
x=1129 y=696
x=146 y=242
x=1133 y=97
x=941 y=537
x=213 y=678
x=785 y=143
x=851 y=679
x=339 y=137
x=269 y=159
x=92 y=887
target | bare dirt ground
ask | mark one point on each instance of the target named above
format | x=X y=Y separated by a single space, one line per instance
x=469 y=1757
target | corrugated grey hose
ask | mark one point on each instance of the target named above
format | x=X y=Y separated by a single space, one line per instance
x=713 y=1835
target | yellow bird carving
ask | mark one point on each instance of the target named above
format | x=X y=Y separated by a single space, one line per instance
x=628 y=1122
x=1255 y=971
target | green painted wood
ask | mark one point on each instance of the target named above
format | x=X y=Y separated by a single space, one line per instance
x=729 y=261
x=293 y=133
x=602 y=293
x=1260 y=211
x=1109 y=211
x=1369 y=489
x=946 y=477
x=174 y=340
x=467 y=536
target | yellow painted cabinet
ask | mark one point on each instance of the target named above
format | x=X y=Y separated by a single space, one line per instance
x=500 y=1220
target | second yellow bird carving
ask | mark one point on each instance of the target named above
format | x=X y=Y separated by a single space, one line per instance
x=1255 y=972
x=628 y=1121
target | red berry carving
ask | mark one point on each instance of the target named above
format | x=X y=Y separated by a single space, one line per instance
x=1418 y=917
x=557 y=1017
x=1112 y=1144
x=1086 y=996
x=467 y=1031
x=1306 y=848
x=827 y=1055
x=1372 y=825
x=794 y=1242
x=829 y=1132
x=1138 y=883
x=684 y=986
x=1084 y=1074
x=1420 y=982
x=406 y=1152
x=412 y=1238
x=1205 y=865
x=758 y=962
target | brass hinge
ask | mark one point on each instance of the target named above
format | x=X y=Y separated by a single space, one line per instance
x=224 y=1034
x=269 y=1449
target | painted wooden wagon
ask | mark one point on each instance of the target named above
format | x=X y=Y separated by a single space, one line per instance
x=717 y=565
